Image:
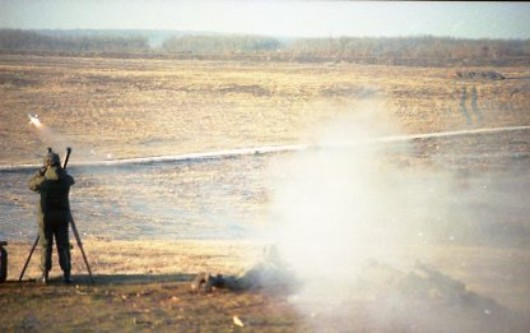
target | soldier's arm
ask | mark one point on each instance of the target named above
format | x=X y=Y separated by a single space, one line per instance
x=36 y=181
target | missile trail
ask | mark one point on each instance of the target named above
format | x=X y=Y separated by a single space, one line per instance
x=221 y=154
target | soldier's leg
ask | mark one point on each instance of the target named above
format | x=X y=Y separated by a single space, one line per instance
x=63 y=250
x=46 y=244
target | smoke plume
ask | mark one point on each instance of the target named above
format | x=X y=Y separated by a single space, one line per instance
x=352 y=218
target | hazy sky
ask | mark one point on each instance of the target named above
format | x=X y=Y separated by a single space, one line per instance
x=275 y=17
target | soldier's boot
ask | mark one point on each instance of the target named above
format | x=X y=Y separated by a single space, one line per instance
x=67 y=277
x=44 y=277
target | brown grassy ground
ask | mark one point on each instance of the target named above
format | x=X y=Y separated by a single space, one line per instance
x=140 y=286
x=115 y=108
x=144 y=286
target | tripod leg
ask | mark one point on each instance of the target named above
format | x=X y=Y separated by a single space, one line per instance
x=29 y=258
x=80 y=244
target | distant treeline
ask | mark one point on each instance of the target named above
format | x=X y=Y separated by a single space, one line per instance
x=412 y=51
x=19 y=40
x=223 y=45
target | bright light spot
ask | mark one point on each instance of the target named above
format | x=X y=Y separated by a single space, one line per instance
x=34 y=120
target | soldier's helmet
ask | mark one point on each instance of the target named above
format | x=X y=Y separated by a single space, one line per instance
x=52 y=159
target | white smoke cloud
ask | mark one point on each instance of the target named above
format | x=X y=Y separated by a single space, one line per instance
x=354 y=202
x=332 y=203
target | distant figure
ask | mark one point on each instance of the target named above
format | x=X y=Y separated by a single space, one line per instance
x=53 y=213
x=474 y=104
x=463 y=109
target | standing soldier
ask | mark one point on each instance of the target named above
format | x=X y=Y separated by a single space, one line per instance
x=463 y=109
x=53 y=184
x=474 y=104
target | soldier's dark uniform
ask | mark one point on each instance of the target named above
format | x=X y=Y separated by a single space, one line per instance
x=53 y=213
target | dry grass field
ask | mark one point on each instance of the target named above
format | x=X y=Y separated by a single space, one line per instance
x=128 y=108
x=456 y=203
